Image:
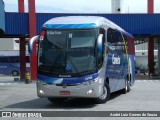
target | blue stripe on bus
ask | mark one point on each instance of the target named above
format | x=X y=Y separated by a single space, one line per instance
x=79 y=79
x=47 y=79
x=67 y=80
x=86 y=25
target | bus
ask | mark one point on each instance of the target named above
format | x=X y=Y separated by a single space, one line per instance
x=83 y=57
x=10 y=64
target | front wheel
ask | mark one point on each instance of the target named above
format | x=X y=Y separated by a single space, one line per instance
x=128 y=85
x=105 y=96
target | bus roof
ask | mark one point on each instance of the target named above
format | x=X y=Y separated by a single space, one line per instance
x=81 y=22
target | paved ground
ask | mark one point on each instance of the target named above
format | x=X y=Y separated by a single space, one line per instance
x=144 y=96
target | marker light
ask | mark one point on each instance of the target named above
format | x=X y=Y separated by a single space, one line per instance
x=89 y=91
x=41 y=92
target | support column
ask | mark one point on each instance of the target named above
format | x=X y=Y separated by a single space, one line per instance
x=21 y=6
x=22 y=58
x=150 y=42
x=32 y=32
x=131 y=48
x=22 y=43
x=150 y=55
x=150 y=6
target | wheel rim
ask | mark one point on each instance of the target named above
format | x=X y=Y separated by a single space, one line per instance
x=126 y=85
x=104 y=93
x=14 y=73
x=128 y=82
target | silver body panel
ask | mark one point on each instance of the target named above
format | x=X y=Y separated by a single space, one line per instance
x=75 y=91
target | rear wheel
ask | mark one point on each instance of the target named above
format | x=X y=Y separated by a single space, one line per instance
x=57 y=100
x=127 y=87
x=15 y=73
x=105 y=96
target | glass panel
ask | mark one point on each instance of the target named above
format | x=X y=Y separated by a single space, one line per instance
x=67 y=51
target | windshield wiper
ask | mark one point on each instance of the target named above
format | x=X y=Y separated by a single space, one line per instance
x=75 y=68
x=53 y=65
x=67 y=57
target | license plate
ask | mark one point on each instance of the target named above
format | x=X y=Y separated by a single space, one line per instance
x=64 y=92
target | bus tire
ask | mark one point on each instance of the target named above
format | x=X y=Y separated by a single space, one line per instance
x=105 y=96
x=129 y=86
x=15 y=73
x=125 y=90
x=57 y=100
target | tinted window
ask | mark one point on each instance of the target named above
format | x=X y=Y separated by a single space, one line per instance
x=115 y=41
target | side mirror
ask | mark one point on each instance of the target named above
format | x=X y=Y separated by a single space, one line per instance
x=100 y=50
x=100 y=44
x=31 y=42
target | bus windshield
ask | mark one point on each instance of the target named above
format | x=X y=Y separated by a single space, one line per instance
x=68 y=52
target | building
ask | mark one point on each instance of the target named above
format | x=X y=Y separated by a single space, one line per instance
x=116 y=6
x=141 y=53
x=8 y=44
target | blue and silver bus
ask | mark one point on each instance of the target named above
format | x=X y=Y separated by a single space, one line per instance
x=83 y=57
x=10 y=64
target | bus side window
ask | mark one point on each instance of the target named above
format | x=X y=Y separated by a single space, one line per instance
x=3 y=59
x=120 y=43
x=115 y=41
x=110 y=45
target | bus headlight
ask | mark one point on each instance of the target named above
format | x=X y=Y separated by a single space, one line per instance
x=96 y=79
x=89 y=82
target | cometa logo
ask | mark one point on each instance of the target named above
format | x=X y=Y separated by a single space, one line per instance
x=115 y=60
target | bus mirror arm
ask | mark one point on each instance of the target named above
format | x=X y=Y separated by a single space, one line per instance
x=31 y=42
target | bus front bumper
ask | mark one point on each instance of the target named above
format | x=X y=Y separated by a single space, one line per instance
x=93 y=90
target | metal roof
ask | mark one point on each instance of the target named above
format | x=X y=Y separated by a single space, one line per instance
x=17 y=23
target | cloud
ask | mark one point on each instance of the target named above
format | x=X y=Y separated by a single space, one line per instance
x=157 y=6
x=83 y=6
x=46 y=9
x=77 y=5
x=134 y=6
x=10 y=1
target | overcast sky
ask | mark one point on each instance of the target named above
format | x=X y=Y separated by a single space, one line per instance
x=83 y=6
